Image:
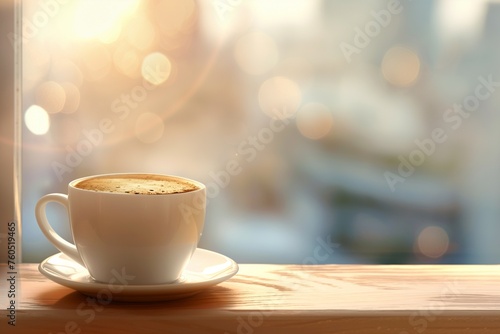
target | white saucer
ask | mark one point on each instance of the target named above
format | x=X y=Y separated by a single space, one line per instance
x=205 y=269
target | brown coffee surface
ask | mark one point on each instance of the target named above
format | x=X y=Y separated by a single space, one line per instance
x=137 y=184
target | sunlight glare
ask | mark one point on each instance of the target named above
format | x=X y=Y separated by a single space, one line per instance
x=94 y=18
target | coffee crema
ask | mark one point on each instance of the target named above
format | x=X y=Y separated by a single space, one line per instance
x=138 y=184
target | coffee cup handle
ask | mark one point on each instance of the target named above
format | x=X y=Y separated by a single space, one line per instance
x=65 y=247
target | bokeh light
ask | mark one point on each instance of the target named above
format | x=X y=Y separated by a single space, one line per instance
x=256 y=53
x=127 y=61
x=140 y=33
x=175 y=16
x=314 y=120
x=156 y=68
x=51 y=96
x=433 y=242
x=400 y=66
x=37 y=120
x=36 y=63
x=72 y=98
x=149 y=127
x=279 y=97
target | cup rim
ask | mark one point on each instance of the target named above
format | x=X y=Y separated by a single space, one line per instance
x=200 y=185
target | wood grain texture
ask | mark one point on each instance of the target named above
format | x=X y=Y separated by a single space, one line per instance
x=350 y=299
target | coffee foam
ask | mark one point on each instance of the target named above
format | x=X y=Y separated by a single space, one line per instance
x=137 y=184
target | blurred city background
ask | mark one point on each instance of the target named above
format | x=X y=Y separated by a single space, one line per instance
x=327 y=131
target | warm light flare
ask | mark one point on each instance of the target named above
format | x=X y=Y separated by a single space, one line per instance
x=175 y=16
x=94 y=18
x=141 y=34
x=111 y=35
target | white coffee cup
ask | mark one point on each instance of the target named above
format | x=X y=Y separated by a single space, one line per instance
x=150 y=237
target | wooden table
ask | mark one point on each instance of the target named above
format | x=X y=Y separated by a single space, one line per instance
x=347 y=299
